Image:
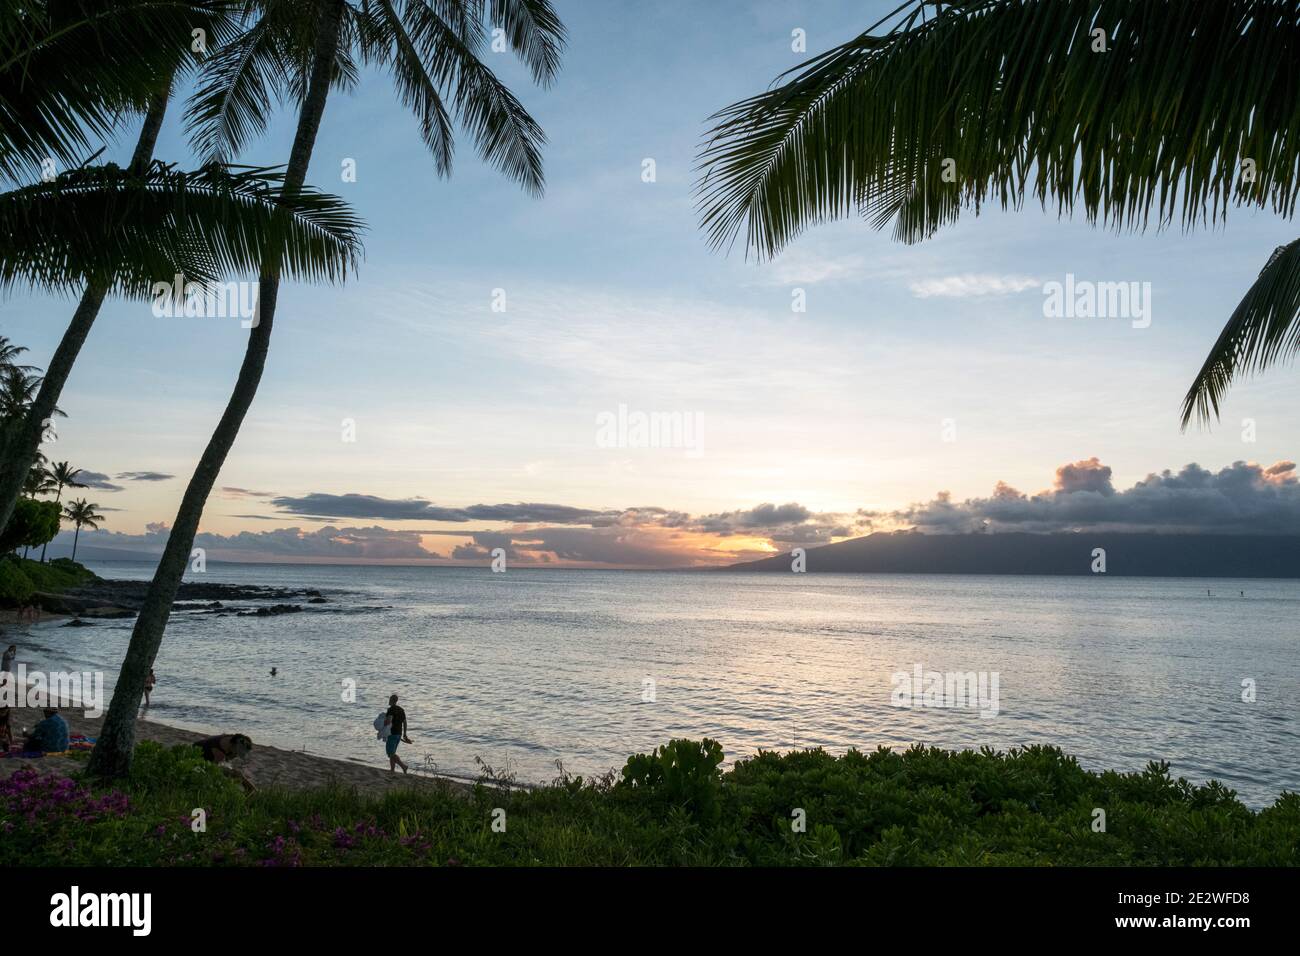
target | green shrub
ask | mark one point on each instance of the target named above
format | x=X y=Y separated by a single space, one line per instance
x=919 y=807
x=57 y=575
x=681 y=773
x=15 y=586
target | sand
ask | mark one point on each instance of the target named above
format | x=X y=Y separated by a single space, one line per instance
x=266 y=767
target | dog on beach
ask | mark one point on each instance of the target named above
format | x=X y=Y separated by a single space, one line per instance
x=224 y=747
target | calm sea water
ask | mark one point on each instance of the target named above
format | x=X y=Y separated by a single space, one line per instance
x=533 y=666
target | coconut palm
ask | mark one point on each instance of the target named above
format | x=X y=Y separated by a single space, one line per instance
x=63 y=476
x=1138 y=110
x=303 y=49
x=120 y=230
x=17 y=392
x=232 y=218
x=9 y=352
x=82 y=515
x=68 y=67
x=36 y=483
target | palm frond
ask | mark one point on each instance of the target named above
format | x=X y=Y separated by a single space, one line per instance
x=266 y=63
x=70 y=68
x=535 y=33
x=1262 y=330
x=415 y=87
x=232 y=101
x=104 y=224
x=1157 y=128
x=505 y=133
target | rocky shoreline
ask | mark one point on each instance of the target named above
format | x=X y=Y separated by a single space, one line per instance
x=121 y=599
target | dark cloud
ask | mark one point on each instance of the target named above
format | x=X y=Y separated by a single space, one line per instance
x=1243 y=498
x=358 y=544
x=98 y=480
x=418 y=509
x=1089 y=475
x=231 y=492
x=144 y=476
x=616 y=546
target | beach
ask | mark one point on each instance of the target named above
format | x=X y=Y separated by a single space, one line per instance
x=524 y=671
x=266 y=767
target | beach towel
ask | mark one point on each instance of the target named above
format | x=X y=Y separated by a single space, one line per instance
x=381 y=723
x=77 y=742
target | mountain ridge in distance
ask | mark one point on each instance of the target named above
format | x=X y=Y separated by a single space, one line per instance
x=1127 y=554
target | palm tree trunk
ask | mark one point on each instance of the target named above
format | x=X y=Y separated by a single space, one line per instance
x=25 y=440
x=57 y=499
x=75 y=535
x=113 y=751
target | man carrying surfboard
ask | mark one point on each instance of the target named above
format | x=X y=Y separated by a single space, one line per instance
x=395 y=720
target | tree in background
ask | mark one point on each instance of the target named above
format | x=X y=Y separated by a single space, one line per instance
x=81 y=514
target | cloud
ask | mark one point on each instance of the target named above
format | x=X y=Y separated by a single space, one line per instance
x=229 y=491
x=803 y=268
x=418 y=509
x=97 y=480
x=144 y=476
x=1089 y=475
x=972 y=285
x=1243 y=498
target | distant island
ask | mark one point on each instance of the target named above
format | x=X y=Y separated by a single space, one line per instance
x=1126 y=555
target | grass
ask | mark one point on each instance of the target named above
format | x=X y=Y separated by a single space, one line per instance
x=918 y=807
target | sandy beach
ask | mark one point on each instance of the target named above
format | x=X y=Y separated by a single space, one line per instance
x=266 y=767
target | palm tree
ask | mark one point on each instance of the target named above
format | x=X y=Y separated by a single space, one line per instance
x=9 y=352
x=68 y=67
x=36 y=483
x=63 y=476
x=39 y=481
x=432 y=50
x=200 y=224
x=1137 y=109
x=81 y=514
x=17 y=392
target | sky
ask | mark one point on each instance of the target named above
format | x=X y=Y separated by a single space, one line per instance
x=489 y=377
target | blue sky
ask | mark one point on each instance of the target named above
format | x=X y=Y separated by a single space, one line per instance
x=614 y=298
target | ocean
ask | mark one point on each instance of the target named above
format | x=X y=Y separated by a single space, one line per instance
x=532 y=669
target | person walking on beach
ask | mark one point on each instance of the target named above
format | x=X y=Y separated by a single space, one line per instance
x=396 y=734
x=7 y=661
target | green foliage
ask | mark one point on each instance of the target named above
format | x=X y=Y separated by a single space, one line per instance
x=15 y=586
x=919 y=807
x=33 y=523
x=20 y=578
x=681 y=773
x=216 y=221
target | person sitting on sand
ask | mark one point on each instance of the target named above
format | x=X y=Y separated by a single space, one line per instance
x=7 y=661
x=396 y=734
x=50 y=735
